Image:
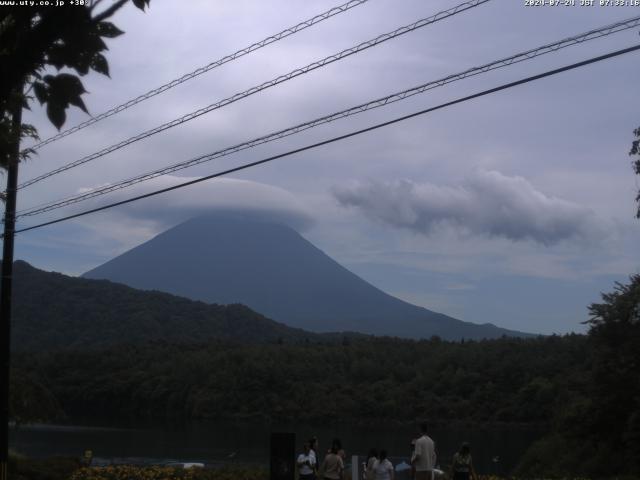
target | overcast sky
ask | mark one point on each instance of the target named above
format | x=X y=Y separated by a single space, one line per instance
x=516 y=208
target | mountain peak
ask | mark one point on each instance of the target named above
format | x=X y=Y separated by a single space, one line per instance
x=236 y=258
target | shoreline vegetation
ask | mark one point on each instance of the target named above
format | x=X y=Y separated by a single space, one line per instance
x=66 y=468
x=69 y=468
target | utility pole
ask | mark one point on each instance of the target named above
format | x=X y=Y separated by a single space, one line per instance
x=7 y=278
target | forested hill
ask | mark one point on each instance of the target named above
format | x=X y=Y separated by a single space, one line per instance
x=52 y=311
x=505 y=380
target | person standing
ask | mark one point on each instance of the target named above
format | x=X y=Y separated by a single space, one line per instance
x=306 y=463
x=383 y=468
x=313 y=451
x=337 y=445
x=424 y=455
x=372 y=459
x=332 y=466
x=462 y=466
x=413 y=467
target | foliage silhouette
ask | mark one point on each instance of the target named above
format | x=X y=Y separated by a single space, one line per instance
x=38 y=39
x=599 y=427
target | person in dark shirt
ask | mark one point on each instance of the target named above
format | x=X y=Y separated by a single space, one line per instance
x=462 y=466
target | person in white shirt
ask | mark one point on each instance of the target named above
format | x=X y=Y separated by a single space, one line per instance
x=306 y=464
x=383 y=468
x=372 y=458
x=424 y=455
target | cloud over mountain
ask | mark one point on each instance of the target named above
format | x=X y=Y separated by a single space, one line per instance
x=487 y=203
x=221 y=194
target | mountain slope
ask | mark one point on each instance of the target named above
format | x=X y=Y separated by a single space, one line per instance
x=52 y=311
x=271 y=268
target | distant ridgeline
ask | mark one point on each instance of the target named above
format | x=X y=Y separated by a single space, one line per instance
x=53 y=311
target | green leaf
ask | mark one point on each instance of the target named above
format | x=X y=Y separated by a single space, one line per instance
x=41 y=92
x=141 y=4
x=64 y=86
x=82 y=65
x=58 y=56
x=29 y=131
x=64 y=90
x=95 y=44
x=26 y=154
x=56 y=114
x=78 y=102
x=99 y=64
x=108 y=30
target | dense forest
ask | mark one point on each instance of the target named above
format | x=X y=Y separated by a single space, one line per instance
x=599 y=434
x=507 y=380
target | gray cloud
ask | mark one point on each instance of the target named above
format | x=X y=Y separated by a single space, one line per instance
x=488 y=203
x=219 y=195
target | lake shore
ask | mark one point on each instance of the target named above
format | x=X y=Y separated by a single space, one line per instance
x=496 y=450
x=65 y=468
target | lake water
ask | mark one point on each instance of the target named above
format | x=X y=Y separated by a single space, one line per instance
x=495 y=450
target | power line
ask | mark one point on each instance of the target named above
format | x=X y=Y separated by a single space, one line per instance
x=280 y=79
x=341 y=137
x=199 y=71
x=519 y=57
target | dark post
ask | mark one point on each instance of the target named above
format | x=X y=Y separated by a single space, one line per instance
x=5 y=286
x=283 y=453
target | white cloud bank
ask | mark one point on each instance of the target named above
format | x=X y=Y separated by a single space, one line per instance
x=221 y=194
x=488 y=203
x=126 y=226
